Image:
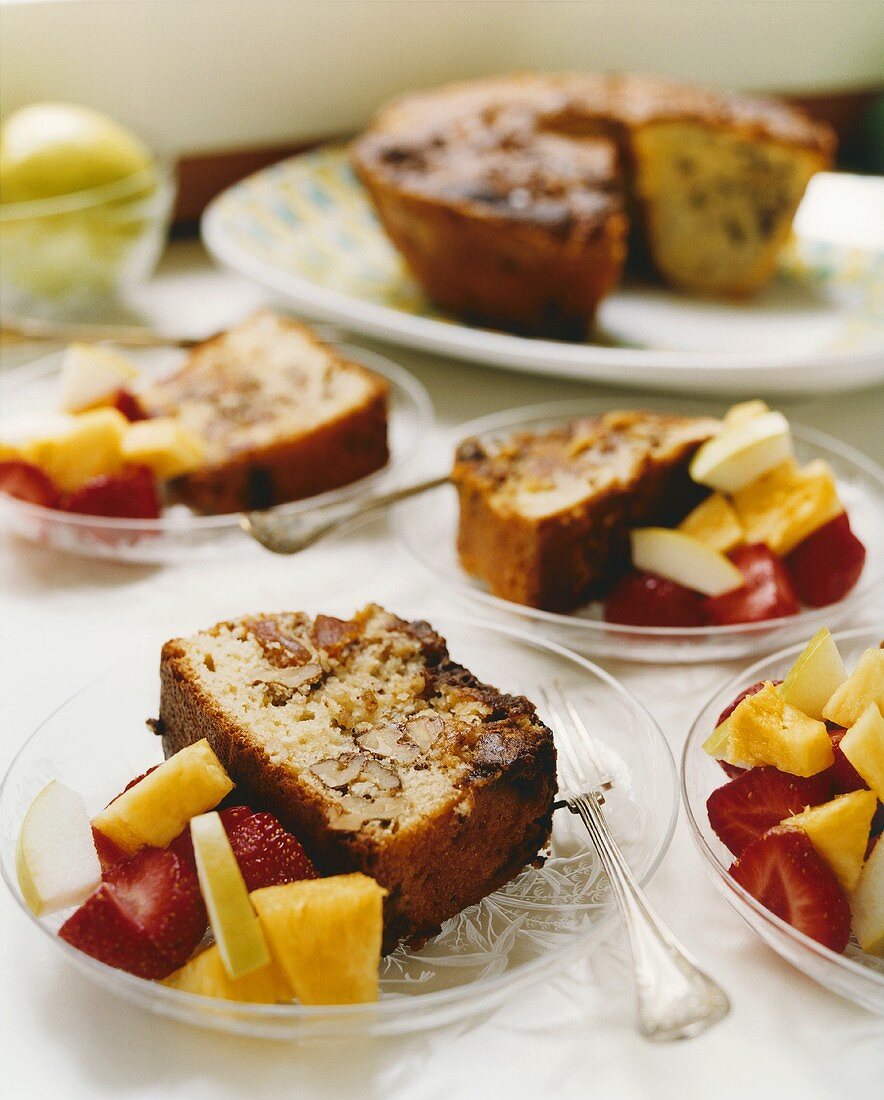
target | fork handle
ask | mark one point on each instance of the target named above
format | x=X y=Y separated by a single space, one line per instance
x=675 y=999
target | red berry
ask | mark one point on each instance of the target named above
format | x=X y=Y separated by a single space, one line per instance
x=786 y=874
x=24 y=481
x=129 y=405
x=131 y=494
x=767 y=593
x=146 y=917
x=845 y=778
x=743 y=810
x=827 y=564
x=644 y=599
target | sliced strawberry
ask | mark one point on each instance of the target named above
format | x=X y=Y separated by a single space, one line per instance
x=103 y=928
x=827 y=564
x=131 y=494
x=108 y=853
x=767 y=593
x=743 y=810
x=786 y=874
x=644 y=599
x=161 y=893
x=267 y=854
x=129 y=405
x=24 y=481
x=845 y=777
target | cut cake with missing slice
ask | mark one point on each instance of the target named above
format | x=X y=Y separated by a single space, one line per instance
x=282 y=416
x=545 y=516
x=375 y=748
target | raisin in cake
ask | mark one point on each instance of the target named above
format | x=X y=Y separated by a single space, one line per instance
x=545 y=517
x=511 y=198
x=375 y=748
x=282 y=415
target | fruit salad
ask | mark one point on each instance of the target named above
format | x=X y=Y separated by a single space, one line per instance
x=98 y=454
x=174 y=882
x=802 y=812
x=770 y=536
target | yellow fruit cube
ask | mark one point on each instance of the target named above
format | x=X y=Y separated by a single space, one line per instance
x=325 y=936
x=863 y=745
x=865 y=685
x=205 y=974
x=715 y=523
x=764 y=729
x=787 y=504
x=745 y=410
x=90 y=445
x=839 y=830
x=165 y=445
x=157 y=808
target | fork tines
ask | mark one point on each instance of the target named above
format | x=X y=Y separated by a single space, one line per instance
x=578 y=752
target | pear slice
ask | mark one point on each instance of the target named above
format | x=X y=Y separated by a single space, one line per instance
x=863 y=745
x=160 y=805
x=839 y=830
x=685 y=560
x=743 y=452
x=90 y=373
x=743 y=411
x=55 y=857
x=816 y=675
x=237 y=931
x=864 y=685
x=867 y=903
x=717 y=741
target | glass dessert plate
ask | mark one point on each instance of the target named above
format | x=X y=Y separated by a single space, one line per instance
x=855 y=975
x=428 y=526
x=519 y=935
x=181 y=534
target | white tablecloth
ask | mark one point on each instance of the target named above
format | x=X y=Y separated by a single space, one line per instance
x=64 y=620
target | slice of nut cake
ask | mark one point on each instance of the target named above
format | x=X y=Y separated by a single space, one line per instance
x=381 y=753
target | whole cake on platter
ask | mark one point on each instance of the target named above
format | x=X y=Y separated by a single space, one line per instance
x=514 y=199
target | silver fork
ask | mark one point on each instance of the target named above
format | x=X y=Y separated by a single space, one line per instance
x=675 y=999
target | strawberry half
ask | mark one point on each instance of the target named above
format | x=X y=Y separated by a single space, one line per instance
x=267 y=854
x=743 y=810
x=786 y=874
x=146 y=917
x=128 y=404
x=644 y=599
x=131 y=494
x=24 y=481
x=845 y=777
x=827 y=564
x=767 y=593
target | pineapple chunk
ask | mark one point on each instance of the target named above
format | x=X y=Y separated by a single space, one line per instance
x=325 y=936
x=745 y=410
x=865 y=685
x=715 y=523
x=165 y=445
x=90 y=373
x=764 y=729
x=816 y=674
x=158 y=807
x=863 y=745
x=839 y=830
x=90 y=444
x=787 y=504
x=205 y=974
x=867 y=903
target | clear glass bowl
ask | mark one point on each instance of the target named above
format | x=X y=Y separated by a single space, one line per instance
x=428 y=526
x=180 y=534
x=519 y=935
x=62 y=254
x=855 y=975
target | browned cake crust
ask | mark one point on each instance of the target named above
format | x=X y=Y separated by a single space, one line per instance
x=545 y=518
x=476 y=772
x=509 y=196
x=283 y=416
